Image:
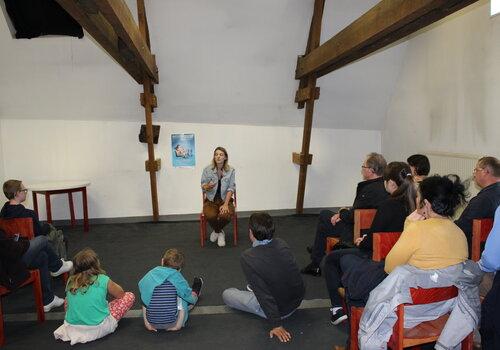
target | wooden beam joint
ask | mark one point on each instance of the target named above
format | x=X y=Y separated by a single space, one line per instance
x=302 y=159
x=156 y=165
x=307 y=93
x=153 y=102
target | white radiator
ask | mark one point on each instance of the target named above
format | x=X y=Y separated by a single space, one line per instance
x=444 y=163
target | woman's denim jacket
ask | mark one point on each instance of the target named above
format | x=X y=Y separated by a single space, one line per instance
x=227 y=182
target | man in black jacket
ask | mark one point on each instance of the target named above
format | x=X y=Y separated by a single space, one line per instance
x=369 y=194
x=487 y=177
x=17 y=254
x=16 y=193
x=275 y=286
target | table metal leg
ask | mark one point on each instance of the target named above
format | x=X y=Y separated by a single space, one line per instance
x=49 y=209
x=35 y=204
x=85 y=211
x=71 y=209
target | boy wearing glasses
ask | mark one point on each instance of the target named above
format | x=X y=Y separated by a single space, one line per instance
x=16 y=193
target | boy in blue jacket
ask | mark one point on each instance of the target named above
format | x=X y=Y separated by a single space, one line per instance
x=166 y=295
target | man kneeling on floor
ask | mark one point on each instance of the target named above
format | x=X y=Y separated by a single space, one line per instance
x=275 y=288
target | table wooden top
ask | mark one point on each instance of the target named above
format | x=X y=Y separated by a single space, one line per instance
x=57 y=185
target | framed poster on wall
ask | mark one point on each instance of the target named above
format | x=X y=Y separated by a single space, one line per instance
x=183 y=150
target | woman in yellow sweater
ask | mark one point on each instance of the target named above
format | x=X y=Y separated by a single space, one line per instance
x=430 y=239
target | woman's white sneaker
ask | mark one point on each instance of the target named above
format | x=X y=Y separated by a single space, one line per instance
x=221 y=240
x=213 y=236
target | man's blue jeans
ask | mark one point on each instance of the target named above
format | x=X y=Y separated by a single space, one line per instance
x=41 y=256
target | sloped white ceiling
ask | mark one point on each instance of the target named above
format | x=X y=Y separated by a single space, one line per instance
x=220 y=61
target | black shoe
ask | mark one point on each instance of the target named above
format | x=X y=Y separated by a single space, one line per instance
x=309 y=249
x=338 y=317
x=197 y=284
x=312 y=270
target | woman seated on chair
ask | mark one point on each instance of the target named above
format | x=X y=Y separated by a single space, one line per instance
x=217 y=184
x=430 y=239
x=390 y=217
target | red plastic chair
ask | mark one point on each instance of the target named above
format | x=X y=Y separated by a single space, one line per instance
x=425 y=332
x=24 y=227
x=203 y=223
x=480 y=230
x=363 y=219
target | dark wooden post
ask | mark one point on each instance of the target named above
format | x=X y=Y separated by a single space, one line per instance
x=306 y=94
x=148 y=100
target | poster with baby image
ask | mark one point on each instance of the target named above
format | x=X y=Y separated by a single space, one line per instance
x=183 y=152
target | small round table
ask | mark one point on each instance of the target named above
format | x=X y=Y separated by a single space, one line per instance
x=58 y=187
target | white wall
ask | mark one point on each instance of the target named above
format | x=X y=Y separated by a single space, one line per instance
x=110 y=156
x=447 y=96
x=2 y=172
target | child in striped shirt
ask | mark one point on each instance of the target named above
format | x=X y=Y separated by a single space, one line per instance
x=166 y=295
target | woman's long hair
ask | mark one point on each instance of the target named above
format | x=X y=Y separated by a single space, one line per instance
x=86 y=268
x=225 y=166
x=400 y=173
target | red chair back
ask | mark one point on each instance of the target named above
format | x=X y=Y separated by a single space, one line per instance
x=383 y=243
x=480 y=230
x=23 y=226
x=363 y=219
x=425 y=332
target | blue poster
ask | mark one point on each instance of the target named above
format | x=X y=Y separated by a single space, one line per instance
x=183 y=151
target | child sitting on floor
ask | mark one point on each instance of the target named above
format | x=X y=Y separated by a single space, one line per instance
x=89 y=316
x=165 y=294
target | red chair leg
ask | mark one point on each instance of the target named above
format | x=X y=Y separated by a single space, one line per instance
x=37 y=291
x=235 y=229
x=203 y=228
x=2 y=335
x=65 y=277
x=468 y=342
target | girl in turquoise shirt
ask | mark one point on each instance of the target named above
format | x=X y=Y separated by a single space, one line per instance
x=89 y=316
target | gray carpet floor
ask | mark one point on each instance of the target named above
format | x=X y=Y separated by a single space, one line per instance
x=128 y=251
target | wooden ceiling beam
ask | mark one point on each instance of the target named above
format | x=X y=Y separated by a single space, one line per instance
x=383 y=24
x=112 y=25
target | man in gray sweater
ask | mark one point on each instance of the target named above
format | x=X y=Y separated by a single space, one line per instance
x=275 y=286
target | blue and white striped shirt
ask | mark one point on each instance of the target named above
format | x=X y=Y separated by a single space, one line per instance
x=162 y=308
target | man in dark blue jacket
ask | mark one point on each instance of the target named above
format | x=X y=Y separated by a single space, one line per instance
x=487 y=177
x=369 y=194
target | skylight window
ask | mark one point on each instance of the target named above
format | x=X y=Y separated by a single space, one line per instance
x=495 y=7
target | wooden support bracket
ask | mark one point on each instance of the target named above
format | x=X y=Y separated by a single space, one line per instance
x=152 y=101
x=156 y=165
x=302 y=159
x=307 y=93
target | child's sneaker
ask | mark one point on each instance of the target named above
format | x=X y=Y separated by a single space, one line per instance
x=221 y=240
x=213 y=236
x=56 y=302
x=197 y=284
x=65 y=267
